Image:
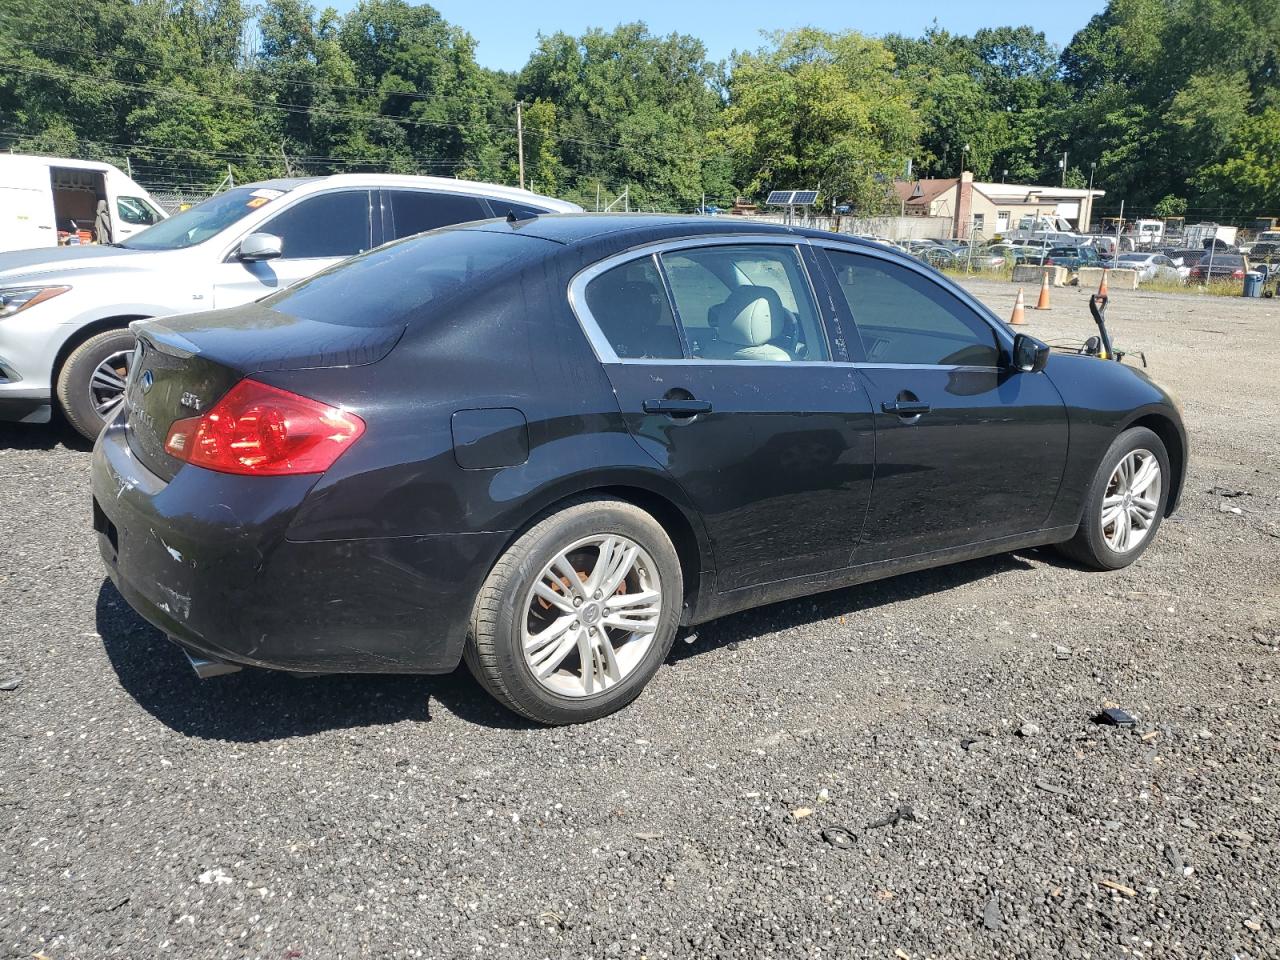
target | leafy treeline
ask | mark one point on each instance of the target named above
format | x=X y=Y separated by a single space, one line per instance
x=1167 y=102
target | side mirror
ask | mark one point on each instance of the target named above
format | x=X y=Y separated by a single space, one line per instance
x=1029 y=354
x=260 y=246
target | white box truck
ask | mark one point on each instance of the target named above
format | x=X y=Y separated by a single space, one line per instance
x=45 y=201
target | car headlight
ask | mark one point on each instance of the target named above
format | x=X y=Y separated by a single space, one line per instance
x=16 y=299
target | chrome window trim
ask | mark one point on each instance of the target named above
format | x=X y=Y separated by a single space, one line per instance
x=604 y=349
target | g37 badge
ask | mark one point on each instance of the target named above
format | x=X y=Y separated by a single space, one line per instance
x=190 y=400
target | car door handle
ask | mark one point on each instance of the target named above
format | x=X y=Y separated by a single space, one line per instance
x=677 y=408
x=906 y=408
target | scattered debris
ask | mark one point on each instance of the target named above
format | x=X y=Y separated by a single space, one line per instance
x=217 y=875
x=1028 y=730
x=11 y=684
x=1228 y=492
x=967 y=742
x=691 y=637
x=733 y=645
x=1174 y=856
x=991 y=918
x=550 y=920
x=842 y=838
x=801 y=812
x=901 y=954
x=1115 y=717
x=1118 y=888
x=1253 y=925
x=824 y=795
x=903 y=814
x=1061 y=653
x=1050 y=788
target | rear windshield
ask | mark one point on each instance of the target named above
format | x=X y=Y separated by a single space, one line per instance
x=390 y=285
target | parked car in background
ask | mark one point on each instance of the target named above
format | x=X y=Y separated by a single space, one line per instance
x=1151 y=266
x=1219 y=266
x=64 y=335
x=1184 y=256
x=48 y=200
x=1072 y=257
x=542 y=447
x=1265 y=257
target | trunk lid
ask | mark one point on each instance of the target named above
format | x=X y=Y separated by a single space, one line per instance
x=183 y=365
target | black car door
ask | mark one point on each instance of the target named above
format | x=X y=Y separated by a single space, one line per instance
x=967 y=449
x=719 y=358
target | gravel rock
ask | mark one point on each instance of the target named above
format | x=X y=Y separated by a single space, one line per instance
x=373 y=816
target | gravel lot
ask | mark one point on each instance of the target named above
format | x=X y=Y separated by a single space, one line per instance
x=145 y=814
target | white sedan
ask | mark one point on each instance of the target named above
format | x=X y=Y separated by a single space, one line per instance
x=1152 y=266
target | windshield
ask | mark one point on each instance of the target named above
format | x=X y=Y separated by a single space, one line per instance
x=202 y=221
x=1133 y=258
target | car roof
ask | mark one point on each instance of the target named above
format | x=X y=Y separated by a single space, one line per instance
x=623 y=230
x=389 y=181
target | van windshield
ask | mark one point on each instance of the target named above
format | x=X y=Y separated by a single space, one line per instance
x=190 y=227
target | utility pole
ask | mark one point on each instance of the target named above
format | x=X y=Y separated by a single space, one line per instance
x=1088 y=220
x=520 y=138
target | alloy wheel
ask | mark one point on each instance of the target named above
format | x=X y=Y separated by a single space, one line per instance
x=1130 y=503
x=106 y=385
x=591 y=615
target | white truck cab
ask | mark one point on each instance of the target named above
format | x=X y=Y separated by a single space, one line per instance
x=45 y=201
x=65 y=313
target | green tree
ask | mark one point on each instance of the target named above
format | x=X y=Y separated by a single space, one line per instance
x=631 y=110
x=1247 y=179
x=820 y=110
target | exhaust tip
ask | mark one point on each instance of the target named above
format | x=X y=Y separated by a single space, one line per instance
x=206 y=667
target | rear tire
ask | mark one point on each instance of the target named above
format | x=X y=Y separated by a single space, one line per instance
x=1103 y=545
x=552 y=648
x=86 y=382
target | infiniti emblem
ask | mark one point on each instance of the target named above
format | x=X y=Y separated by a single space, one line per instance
x=591 y=613
x=147 y=381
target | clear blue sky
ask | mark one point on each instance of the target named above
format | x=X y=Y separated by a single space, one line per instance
x=506 y=31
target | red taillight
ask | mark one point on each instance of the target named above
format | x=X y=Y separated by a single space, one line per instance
x=1238 y=274
x=261 y=430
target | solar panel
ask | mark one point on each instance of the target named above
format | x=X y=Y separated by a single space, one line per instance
x=780 y=198
x=804 y=197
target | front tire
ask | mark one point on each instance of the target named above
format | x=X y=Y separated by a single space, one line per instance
x=91 y=381
x=1125 y=503
x=578 y=614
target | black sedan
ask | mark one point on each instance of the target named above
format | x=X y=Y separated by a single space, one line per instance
x=544 y=446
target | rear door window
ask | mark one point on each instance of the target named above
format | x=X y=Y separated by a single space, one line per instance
x=749 y=302
x=416 y=211
x=630 y=307
x=328 y=225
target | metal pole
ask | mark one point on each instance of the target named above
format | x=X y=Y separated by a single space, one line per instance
x=520 y=138
x=597 y=196
x=1089 y=220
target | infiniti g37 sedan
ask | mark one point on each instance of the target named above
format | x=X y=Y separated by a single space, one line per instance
x=543 y=445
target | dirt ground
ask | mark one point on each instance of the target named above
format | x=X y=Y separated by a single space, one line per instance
x=146 y=814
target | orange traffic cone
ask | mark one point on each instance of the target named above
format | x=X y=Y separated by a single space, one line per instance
x=1102 y=287
x=1043 y=302
x=1019 y=311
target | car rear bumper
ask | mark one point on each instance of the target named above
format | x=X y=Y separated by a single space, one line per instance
x=206 y=559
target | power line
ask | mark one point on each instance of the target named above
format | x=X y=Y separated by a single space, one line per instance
x=291 y=109
x=425 y=97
